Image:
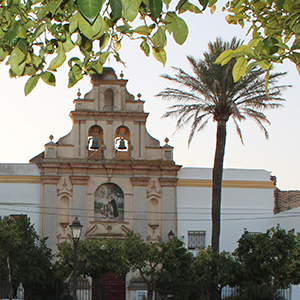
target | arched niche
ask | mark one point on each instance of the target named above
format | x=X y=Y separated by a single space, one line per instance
x=63 y=215
x=153 y=210
x=154 y=216
x=122 y=142
x=95 y=142
x=109 y=203
x=109 y=102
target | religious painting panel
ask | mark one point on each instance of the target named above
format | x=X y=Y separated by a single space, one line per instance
x=109 y=203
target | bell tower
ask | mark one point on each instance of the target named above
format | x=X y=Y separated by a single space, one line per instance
x=108 y=171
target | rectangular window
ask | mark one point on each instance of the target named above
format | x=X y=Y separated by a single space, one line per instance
x=196 y=239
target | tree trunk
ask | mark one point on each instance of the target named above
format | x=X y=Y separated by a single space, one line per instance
x=150 y=289
x=217 y=185
x=10 y=296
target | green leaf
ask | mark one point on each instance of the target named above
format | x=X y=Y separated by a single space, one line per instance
x=224 y=57
x=116 y=8
x=3 y=54
x=68 y=44
x=57 y=61
x=91 y=30
x=190 y=7
x=48 y=78
x=104 y=40
x=159 y=38
x=20 y=31
x=180 y=4
x=103 y=57
x=37 y=60
x=143 y=30
x=177 y=27
x=203 y=3
x=16 y=61
x=31 y=83
x=117 y=45
x=90 y=9
x=73 y=23
x=74 y=61
x=160 y=55
x=38 y=31
x=155 y=8
x=239 y=68
x=130 y=9
x=264 y=64
x=75 y=74
x=145 y=47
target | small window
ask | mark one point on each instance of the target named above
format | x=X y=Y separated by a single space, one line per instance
x=196 y=239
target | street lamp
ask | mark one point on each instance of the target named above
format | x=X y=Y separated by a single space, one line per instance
x=76 y=229
x=171 y=234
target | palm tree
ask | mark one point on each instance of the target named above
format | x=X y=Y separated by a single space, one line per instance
x=211 y=93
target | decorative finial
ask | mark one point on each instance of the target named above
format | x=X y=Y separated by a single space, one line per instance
x=51 y=137
x=78 y=94
x=166 y=140
x=122 y=74
x=139 y=95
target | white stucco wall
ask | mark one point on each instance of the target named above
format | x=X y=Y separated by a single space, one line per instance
x=247 y=202
x=20 y=191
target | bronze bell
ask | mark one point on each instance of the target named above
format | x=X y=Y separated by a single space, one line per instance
x=122 y=145
x=95 y=143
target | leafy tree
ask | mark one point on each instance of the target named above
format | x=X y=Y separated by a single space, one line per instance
x=36 y=35
x=215 y=271
x=24 y=257
x=275 y=33
x=266 y=259
x=162 y=266
x=211 y=93
x=177 y=274
x=96 y=257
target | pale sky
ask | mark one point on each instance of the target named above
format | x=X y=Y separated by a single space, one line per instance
x=27 y=122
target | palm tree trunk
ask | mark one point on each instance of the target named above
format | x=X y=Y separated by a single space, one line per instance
x=10 y=295
x=217 y=185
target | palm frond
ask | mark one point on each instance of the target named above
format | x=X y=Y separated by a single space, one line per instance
x=210 y=92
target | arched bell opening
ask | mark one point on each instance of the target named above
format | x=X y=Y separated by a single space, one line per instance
x=95 y=142
x=122 y=142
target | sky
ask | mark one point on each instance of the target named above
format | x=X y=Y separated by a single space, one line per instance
x=27 y=122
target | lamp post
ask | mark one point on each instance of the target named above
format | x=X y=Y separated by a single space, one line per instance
x=76 y=229
x=171 y=234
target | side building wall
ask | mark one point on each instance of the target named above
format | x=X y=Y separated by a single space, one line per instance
x=20 y=191
x=247 y=202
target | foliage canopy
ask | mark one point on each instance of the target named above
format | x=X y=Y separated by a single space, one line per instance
x=38 y=36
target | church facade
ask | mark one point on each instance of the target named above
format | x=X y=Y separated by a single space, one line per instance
x=108 y=171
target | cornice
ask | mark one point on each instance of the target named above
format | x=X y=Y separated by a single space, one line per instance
x=50 y=179
x=113 y=168
x=79 y=180
x=20 y=179
x=168 y=182
x=227 y=184
x=103 y=115
x=140 y=181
